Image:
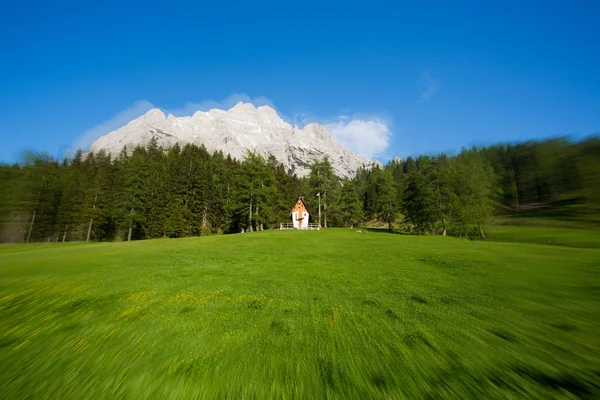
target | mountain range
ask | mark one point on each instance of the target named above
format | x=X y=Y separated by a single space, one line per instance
x=236 y=131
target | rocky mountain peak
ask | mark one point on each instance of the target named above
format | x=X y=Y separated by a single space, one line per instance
x=243 y=107
x=236 y=131
x=155 y=113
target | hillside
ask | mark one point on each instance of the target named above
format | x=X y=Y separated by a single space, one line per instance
x=329 y=314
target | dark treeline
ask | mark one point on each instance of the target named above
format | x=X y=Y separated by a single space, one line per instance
x=148 y=193
x=151 y=192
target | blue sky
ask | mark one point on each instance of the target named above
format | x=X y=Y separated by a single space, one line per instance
x=415 y=78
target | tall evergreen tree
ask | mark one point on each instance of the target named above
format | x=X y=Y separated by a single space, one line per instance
x=322 y=181
x=387 y=209
x=474 y=190
x=350 y=209
x=419 y=202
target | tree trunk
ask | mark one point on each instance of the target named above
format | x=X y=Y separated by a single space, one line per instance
x=204 y=216
x=515 y=190
x=325 y=209
x=480 y=230
x=89 y=230
x=537 y=194
x=257 y=217
x=319 y=210
x=259 y=227
x=390 y=225
x=65 y=234
x=444 y=225
x=130 y=223
x=31 y=226
x=92 y=219
x=250 y=216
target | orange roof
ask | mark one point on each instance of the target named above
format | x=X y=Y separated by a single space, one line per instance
x=300 y=206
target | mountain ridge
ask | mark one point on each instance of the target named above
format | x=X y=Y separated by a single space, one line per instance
x=242 y=128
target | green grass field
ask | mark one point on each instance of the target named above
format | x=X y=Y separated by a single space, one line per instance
x=330 y=314
x=571 y=237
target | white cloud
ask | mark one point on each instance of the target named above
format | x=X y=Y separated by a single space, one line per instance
x=366 y=137
x=115 y=122
x=428 y=86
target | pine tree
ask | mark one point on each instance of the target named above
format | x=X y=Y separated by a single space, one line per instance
x=419 y=202
x=12 y=221
x=39 y=191
x=387 y=209
x=349 y=206
x=323 y=181
x=474 y=192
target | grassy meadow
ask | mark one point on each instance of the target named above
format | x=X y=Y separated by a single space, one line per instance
x=571 y=237
x=329 y=314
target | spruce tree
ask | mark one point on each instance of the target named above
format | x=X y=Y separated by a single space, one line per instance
x=350 y=209
x=387 y=209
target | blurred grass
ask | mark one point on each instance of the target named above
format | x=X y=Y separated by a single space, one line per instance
x=329 y=314
x=545 y=235
x=541 y=229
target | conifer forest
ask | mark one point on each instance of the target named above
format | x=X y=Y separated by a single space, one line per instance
x=151 y=192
